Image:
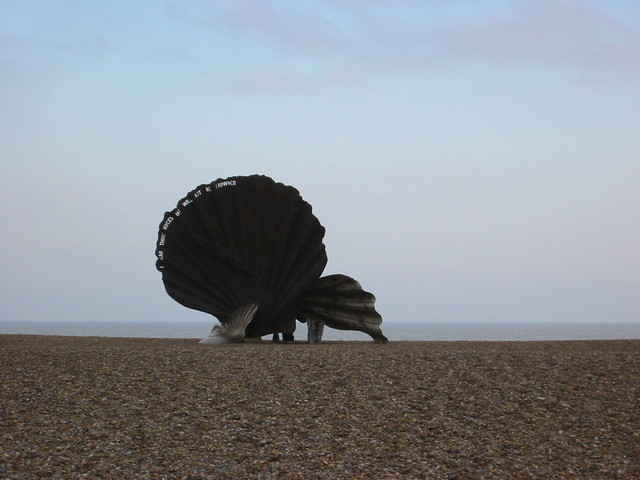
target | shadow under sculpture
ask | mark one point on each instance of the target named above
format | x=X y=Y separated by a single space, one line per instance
x=249 y=251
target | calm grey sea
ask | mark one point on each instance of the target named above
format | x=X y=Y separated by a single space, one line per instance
x=394 y=331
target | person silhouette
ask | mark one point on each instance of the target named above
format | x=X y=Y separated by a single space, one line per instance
x=287 y=337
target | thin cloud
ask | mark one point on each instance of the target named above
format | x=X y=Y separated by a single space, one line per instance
x=394 y=37
x=565 y=34
x=284 y=81
x=171 y=56
x=293 y=28
x=270 y=80
x=12 y=47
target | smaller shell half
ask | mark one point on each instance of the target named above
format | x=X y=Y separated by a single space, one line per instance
x=339 y=302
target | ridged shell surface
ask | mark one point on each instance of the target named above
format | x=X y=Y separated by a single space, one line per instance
x=338 y=301
x=240 y=241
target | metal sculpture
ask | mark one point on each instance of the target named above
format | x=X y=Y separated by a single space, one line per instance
x=249 y=251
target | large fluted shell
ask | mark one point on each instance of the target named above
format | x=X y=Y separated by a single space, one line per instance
x=238 y=243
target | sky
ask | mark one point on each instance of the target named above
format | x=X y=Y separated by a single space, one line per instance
x=471 y=161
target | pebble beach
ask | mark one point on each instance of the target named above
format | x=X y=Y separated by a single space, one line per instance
x=131 y=408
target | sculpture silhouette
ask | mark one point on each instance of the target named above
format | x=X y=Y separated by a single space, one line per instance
x=249 y=251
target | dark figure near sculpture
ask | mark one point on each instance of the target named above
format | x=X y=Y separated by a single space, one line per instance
x=249 y=251
x=286 y=337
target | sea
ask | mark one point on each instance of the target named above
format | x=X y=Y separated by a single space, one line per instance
x=394 y=331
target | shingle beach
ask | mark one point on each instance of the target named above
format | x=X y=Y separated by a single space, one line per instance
x=128 y=408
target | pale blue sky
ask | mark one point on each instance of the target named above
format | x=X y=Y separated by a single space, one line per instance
x=470 y=160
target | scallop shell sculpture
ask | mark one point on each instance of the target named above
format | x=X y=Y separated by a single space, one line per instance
x=249 y=251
